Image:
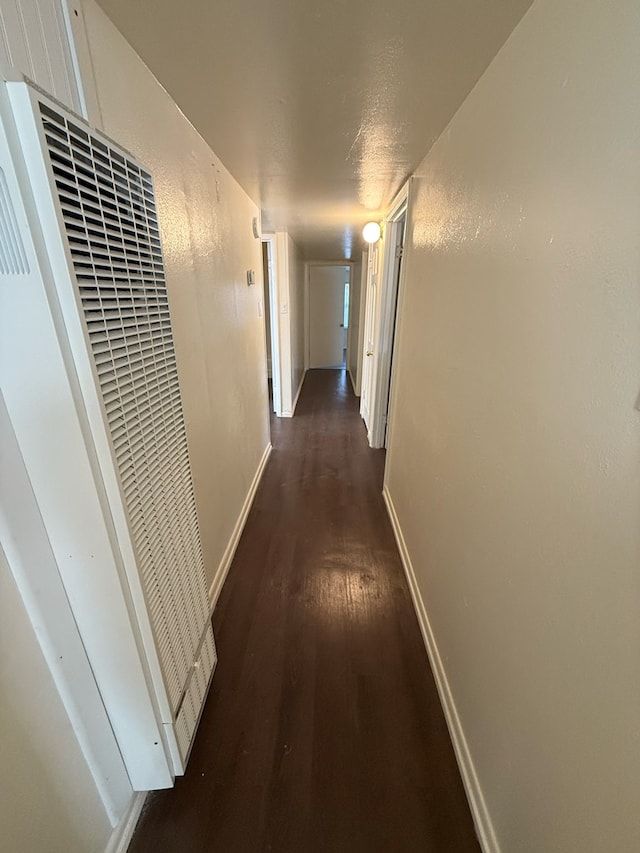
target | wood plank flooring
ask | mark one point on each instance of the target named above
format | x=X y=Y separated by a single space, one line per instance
x=323 y=732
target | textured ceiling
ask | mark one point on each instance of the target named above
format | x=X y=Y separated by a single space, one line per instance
x=319 y=110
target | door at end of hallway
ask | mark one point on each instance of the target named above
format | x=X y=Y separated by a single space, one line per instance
x=328 y=313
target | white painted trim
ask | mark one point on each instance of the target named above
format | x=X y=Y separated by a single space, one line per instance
x=370 y=299
x=361 y=319
x=289 y=413
x=400 y=312
x=350 y=343
x=284 y=320
x=123 y=833
x=73 y=12
x=391 y=289
x=353 y=381
x=307 y=334
x=230 y=550
x=274 y=319
x=479 y=811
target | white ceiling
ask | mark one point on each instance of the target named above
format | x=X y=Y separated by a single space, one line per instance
x=319 y=110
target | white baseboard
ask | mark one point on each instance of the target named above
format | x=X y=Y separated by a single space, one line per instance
x=353 y=381
x=289 y=413
x=298 y=392
x=225 y=563
x=123 y=832
x=481 y=818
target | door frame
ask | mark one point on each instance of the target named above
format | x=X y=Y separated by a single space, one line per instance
x=307 y=301
x=274 y=318
x=385 y=335
x=356 y=381
x=371 y=310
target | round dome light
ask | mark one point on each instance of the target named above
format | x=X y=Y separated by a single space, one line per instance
x=371 y=232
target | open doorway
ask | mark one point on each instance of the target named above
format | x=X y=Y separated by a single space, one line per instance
x=381 y=320
x=271 y=323
x=328 y=301
x=355 y=336
x=398 y=252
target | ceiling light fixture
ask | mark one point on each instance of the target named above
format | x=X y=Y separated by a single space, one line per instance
x=371 y=232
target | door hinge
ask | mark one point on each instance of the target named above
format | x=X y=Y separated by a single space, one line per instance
x=399 y=252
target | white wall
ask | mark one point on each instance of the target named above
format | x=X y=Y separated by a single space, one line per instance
x=49 y=800
x=514 y=459
x=290 y=274
x=208 y=244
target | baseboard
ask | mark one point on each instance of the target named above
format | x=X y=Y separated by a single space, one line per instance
x=289 y=413
x=298 y=392
x=353 y=381
x=481 y=818
x=123 y=832
x=225 y=563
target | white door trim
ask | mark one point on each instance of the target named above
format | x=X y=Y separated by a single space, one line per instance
x=356 y=380
x=390 y=292
x=370 y=299
x=274 y=316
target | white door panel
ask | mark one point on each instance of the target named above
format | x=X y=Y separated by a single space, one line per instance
x=368 y=362
x=326 y=316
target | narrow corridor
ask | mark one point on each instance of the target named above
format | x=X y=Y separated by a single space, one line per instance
x=323 y=731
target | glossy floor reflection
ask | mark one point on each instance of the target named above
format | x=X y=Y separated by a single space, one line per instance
x=323 y=731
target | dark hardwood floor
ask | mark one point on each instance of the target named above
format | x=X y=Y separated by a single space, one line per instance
x=322 y=732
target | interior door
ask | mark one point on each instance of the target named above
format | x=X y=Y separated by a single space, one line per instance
x=399 y=228
x=326 y=316
x=371 y=296
x=272 y=323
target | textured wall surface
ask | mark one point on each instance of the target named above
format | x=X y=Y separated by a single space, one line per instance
x=208 y=244
x=514 y=463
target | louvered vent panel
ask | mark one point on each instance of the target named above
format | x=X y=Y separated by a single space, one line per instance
x=111 y=226
x=13 y=258
x=195 y=695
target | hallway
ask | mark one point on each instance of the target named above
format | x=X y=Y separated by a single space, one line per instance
x=323 y=731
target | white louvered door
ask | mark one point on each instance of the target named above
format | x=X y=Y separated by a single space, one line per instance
x=108 y=235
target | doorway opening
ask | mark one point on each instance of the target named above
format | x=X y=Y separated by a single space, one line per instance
x=345 y=316
x=355 y=336
x=398 y=251
x=329 y=287
x=384 y=288
x=270 y=302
